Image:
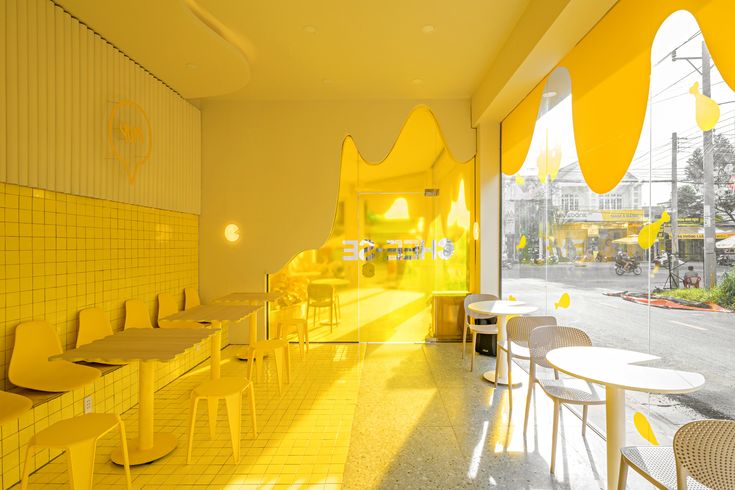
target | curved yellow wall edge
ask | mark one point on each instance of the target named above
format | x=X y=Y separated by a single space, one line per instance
x=609 y=100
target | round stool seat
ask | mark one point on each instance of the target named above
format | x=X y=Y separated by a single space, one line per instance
x=221 y=387
x=81 y=428
x=13 y=406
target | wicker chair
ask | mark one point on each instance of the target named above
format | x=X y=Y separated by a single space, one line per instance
x=518 y=331
x=470 y=323
x=570 y=391
x=703 y=450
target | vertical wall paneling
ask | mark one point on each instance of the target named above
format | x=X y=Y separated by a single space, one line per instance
x=59 y=83
x=3 y=93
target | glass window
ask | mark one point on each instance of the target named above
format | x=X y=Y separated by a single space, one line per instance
x=565 y=239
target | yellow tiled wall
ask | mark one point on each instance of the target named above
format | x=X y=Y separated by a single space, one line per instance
x=61 y=253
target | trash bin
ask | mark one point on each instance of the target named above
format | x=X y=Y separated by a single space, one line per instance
x=487 y=343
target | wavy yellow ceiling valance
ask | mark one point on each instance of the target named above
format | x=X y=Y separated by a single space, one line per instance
x=610 y=74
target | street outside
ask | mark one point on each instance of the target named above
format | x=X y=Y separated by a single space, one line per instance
x=688 y=340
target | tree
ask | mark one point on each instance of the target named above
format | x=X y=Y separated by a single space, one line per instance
x=689 y=203
x=724 y=158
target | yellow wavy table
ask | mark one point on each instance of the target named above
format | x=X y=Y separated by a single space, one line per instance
x=216 y=314
x=145 y=346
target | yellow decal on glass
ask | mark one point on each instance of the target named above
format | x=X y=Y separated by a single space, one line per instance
x=511 y=298
x=520 y=180
x=649 y=233
x=707 y=110
x=643 y=426
x=521 y=243
x=564 y=301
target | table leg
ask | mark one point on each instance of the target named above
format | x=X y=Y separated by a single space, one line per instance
x=501 y=376
x=244 y=353
x=615 y=426
x=216 y=355
x=149 y=446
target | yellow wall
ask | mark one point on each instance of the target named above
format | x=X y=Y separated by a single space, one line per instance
x=273 y=169
x=62 y=253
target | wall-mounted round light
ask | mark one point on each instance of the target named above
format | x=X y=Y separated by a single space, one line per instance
x=232 y=232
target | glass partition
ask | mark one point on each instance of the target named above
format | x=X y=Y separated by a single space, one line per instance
x=584 y=257
x=402 y=234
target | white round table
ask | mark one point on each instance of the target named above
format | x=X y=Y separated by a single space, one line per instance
x=615 y=369
x=501 y=309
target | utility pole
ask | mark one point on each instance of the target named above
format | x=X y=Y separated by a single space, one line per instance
x=708 y=191
x=674 y=196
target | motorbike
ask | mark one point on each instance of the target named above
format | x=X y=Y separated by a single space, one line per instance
x=507 y=263
x=623 y=265
x=725 y=260
x=662 y=259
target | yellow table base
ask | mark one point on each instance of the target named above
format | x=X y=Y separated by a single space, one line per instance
x=163 y=443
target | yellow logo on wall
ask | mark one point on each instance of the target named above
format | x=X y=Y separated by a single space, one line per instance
x=129 y=136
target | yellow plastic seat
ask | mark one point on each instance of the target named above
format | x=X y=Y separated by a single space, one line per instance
x=136 y=314
x=230 y=390
x=13 y=406
x=78 y=437
x=298 y=326
x=321 y=296
x=166 y=307
x=278 y=350
x=94 y=324
x=30 y=367
x=191 y=298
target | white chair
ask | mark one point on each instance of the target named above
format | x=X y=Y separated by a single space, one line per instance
x=471 y=324
x=517 y=332
x=561 y=390
x=702 y=457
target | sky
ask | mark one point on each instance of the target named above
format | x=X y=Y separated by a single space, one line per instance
x=671 y=108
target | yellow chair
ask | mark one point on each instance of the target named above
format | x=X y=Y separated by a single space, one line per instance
x=93 y=325
x=230 y=390
x=321 y=296
x=166 y=307
x=78 y=437
x=13 y=406
x=136 y=314
x=278 y=350
x=35 y=342
x=191 y=298
x=295 y=325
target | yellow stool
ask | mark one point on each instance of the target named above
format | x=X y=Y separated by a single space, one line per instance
x=278 y=348
x=13 y=406
x=230 y=390
x=78 y=437
x=298 y=325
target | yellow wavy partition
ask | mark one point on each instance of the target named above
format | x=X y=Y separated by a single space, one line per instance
x=610 y=71
x=401 y=234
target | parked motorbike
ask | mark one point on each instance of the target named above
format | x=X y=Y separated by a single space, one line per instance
x=507 y=263
x=725 y=260
x=662 y=259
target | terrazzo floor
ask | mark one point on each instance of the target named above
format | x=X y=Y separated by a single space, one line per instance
x=397 y=416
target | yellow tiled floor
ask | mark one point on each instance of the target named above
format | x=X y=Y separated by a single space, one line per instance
x=303 y=439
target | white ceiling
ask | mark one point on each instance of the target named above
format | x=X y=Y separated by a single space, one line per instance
x=310 y=49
